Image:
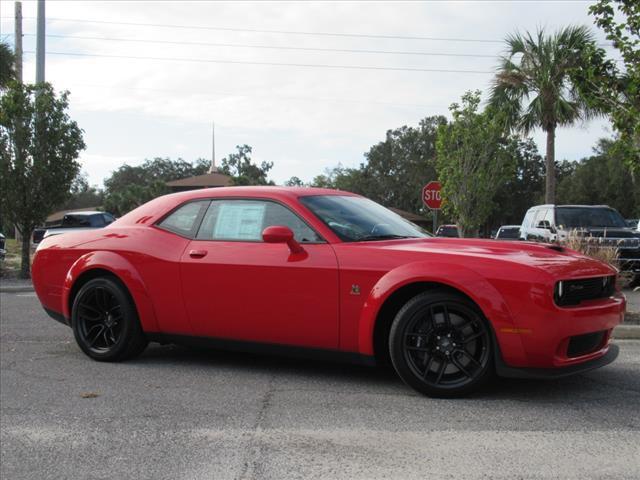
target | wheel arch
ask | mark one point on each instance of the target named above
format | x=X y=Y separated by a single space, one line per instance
x=98 y=264
x=395 y=288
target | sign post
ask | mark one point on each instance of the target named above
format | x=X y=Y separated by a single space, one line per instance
x=433 y=200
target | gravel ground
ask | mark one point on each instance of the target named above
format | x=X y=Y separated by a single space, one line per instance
x=176 y=413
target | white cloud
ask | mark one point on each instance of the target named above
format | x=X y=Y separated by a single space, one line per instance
x=303 y=119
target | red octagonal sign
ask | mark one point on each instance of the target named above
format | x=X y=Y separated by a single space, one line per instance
x=431 y=195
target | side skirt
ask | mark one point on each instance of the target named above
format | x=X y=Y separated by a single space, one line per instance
x=263 y=348
x=58 y=317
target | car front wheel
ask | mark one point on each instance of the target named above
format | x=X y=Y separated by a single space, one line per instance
x=440 y=344
x=105 y=322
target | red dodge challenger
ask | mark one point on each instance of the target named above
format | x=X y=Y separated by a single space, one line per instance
x=326 y=273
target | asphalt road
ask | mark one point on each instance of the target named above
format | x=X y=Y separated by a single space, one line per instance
x=176 y=413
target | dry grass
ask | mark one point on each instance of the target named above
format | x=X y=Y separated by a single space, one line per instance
x=10 y=267
x=593 y=247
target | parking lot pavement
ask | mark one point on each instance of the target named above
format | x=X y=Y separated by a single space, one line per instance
x=177 y=413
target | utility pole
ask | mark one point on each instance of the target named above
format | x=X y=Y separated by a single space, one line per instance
x=18 y=41
x=40 y=43
x=213 y=168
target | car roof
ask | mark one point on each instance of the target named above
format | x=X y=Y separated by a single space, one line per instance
x=84 y=212
x=551 y=205
x=159 y=206
x=510 y=226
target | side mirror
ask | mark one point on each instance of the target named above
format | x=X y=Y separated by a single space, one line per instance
x=279 y=234
x=544 y=224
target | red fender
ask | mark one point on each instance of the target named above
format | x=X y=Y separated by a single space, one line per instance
x=461 y=278
x=125 y=271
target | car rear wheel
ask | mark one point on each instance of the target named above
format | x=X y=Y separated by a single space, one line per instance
x=105 y=322
x=440 y=344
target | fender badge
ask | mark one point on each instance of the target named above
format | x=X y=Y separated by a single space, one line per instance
x=355 y=289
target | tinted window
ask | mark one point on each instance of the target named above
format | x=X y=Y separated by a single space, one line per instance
x=581 y=217
x=183 y=220
x=96 y=221
x=359 y=219
x=244 y=220
x=75 y=221
x=108 y=218
x=509 y=233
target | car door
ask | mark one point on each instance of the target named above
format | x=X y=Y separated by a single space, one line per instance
x=235 y=286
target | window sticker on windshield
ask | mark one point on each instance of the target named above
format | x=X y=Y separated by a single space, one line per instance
x=240 y=221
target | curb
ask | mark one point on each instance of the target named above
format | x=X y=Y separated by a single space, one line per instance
x=20 y=289
x=627 y=332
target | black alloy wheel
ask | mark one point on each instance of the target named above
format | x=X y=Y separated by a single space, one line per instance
x=440 y=344
x=105 y=322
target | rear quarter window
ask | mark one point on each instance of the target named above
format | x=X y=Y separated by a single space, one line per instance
x=185 y=219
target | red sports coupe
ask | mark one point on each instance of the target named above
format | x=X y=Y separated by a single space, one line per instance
x=329 y=274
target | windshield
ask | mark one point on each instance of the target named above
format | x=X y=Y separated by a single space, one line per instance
x=356 y=219
x=577 y=217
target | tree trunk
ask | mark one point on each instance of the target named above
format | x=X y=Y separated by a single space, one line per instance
x=550 y=160
x=25 y=268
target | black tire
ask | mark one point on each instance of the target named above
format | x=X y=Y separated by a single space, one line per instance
x=105 y=321
x=441 y=345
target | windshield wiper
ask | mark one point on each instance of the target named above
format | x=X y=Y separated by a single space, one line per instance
x=388 y=236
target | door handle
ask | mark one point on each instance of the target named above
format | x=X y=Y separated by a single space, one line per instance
x=197 y=253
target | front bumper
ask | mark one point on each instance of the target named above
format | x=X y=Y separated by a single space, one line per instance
x=504 y=370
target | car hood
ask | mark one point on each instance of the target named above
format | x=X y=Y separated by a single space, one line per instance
x=553 y=259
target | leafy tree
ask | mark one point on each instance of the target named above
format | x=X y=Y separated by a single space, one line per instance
x=606 y=86
x=521 y=190
x=534 y=87
x=131 y=186
x=394 y=170
x=243 y=171
x=7 y=63
x=39 y=145
x=83 y=195
x=473 y=162
x=294 y=182
x=603 y=178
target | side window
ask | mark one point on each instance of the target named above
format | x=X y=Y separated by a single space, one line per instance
x=244 y=220
x=108 y=219
x=97 y=220
x=183 y=220
x=539 y=217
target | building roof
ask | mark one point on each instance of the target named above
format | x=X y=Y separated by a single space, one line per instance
x=207 y=180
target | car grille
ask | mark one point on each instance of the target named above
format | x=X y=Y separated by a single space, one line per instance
x=585 y=344
x=572 y=292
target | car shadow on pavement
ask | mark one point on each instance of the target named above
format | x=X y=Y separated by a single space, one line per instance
x=617 y=379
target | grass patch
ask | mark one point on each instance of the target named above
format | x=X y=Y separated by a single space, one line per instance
x=10 y=267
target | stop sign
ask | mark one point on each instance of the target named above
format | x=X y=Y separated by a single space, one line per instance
x=431 y=195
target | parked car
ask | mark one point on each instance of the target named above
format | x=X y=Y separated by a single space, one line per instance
x=554 y=222
x=78 y=221
x=508 y=232
x=329 y=274
x=450 y=231
x=3 y=249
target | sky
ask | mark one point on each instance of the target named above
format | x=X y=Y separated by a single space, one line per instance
x=188 y=64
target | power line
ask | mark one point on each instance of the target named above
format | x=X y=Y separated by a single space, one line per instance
x=270 y=47
x=273 y=64
x=284 y=32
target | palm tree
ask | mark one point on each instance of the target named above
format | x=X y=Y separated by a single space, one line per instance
x=7 y=62
x=534 y=89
